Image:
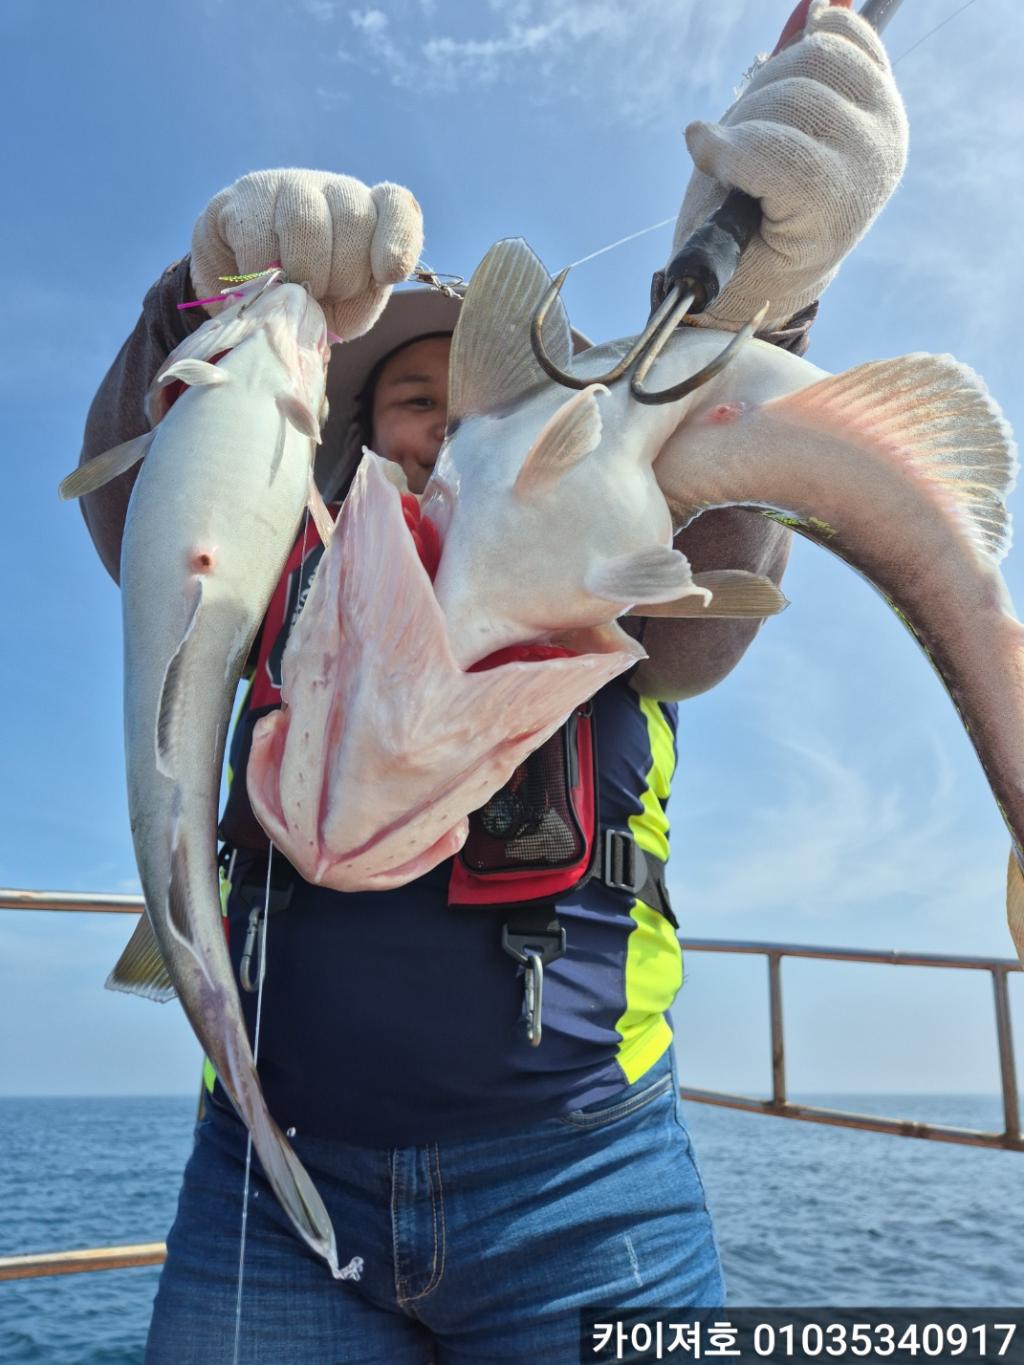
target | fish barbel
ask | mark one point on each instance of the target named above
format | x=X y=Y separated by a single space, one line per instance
x=212 y=517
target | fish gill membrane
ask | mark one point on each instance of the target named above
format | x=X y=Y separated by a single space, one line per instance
x=384 y=744
x=226 y=478
x=556 y=507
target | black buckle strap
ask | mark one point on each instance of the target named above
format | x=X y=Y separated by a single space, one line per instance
x=533 y=936
x=533 y=931
x=622 y=865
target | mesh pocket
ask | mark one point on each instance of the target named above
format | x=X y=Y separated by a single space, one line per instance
x=532 y=822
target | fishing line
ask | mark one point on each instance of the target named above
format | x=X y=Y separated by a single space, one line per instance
x=248 y=1144
x=622 y=241
x=262 y=971
x=933 y=30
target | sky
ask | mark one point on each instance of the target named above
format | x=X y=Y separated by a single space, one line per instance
x=826 y=792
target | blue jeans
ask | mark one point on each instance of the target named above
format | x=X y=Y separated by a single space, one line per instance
x=473 y=1252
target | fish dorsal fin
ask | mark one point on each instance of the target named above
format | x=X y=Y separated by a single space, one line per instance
x=492 y=362
x=140 y=970
x=102 y=468
x=655 y=575
x=938 y=419
x=734 y=592
x=566 y=438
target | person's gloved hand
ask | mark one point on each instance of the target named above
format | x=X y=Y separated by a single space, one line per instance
x=350 y=244
x=819 y=136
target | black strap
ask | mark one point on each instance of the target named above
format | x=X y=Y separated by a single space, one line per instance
x=533 y=929
x=250 y=879
x=623 y=865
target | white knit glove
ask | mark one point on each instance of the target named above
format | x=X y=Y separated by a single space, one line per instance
x=350 y=244
x=819 y=136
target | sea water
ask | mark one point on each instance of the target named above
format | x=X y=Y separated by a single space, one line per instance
x=805 y=1214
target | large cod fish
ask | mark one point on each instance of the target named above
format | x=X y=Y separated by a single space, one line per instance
x=236 y=411
x=556 y=512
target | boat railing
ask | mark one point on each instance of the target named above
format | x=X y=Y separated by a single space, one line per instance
x=779 y=1105
x=782 y=1107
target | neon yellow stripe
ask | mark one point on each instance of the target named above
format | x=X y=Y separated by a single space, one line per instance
x=654 y=960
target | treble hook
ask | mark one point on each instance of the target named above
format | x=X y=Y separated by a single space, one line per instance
x=572 y=381
x=647 y=347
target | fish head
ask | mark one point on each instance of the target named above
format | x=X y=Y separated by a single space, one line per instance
x=263 y=313
x=530 y=504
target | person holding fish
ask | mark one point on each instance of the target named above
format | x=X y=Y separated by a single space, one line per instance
x=482 y=1188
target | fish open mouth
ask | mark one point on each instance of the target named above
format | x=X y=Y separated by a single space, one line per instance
x=366 y=776
x=521 y=654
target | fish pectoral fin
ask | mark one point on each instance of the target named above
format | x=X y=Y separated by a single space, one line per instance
x=318 y=510
x=140 y=970
x=492 y=362
x=734 y=592
x=565 y=439
x=1015 y=903
x=102 y=468
x=656 y=575
x=176 y=694
x=297 y=412
x=935 y=418
x=195 y=373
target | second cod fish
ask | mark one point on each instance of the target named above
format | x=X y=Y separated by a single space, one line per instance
x=900 y=467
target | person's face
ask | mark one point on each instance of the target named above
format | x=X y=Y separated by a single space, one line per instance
x=410 y=406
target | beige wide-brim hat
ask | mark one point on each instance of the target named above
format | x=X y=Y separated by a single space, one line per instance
x=409 y=313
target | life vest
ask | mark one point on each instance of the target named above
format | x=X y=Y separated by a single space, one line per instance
x=534 y=842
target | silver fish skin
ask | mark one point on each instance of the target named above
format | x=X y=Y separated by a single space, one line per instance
x=212 y=517
x=901 y=467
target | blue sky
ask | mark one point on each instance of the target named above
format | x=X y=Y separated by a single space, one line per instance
x=826 y=792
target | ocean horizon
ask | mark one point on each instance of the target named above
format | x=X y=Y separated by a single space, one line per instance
x=806 y=1214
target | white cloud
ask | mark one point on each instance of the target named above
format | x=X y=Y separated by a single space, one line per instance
x=633 y=63
x=370 y=21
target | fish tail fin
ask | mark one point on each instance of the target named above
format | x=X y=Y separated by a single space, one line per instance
x=1015 y=902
